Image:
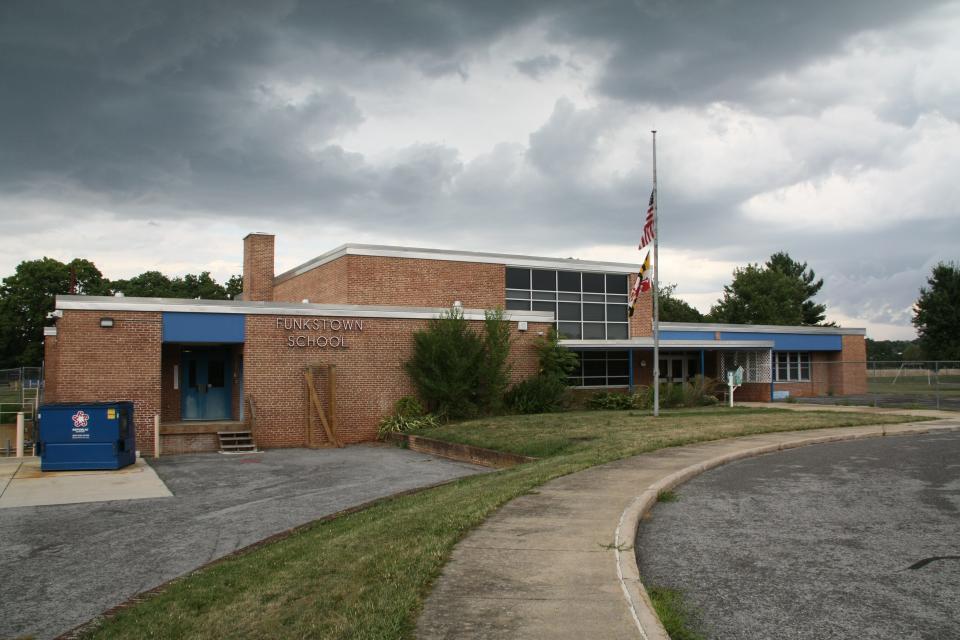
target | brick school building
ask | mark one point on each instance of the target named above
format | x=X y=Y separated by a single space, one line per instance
x=205 y=366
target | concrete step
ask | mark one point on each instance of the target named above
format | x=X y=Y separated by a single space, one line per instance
x=236 y=442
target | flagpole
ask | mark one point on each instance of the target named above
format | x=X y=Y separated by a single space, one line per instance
x=656 y=284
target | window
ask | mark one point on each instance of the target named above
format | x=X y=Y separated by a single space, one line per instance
x=601 y=369
x=792 y=366
x=586 y=305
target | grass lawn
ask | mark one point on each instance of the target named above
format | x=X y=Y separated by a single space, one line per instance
x=365 y=575
x=946 y=386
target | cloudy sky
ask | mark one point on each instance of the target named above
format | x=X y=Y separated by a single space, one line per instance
x=156 y=134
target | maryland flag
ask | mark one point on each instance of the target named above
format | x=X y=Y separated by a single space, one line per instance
x=642 y=283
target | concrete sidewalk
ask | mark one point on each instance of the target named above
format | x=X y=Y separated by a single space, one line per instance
x=559 y=562
x=23 y=484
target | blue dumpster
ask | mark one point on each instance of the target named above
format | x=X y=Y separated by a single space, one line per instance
x=93 y=435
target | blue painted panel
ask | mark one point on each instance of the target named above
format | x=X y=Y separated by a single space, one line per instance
x=790 y=341
x=203 y=327
x=686 y=335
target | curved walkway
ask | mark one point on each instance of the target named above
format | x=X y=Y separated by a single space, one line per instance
x=559 y=562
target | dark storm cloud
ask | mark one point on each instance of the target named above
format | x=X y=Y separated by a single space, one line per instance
x=136 y=99
x=692 y=52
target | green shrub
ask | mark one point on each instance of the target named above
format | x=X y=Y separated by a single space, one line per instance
x=611 y=400
x=408 y=406
x=404 y=424
x=539 y=394
x=457 y=371
x=643 y=398
x=546 y=391
x=494 y=373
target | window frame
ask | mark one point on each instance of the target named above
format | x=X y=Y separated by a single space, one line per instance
x=612 y=302
x=795 y=363
x=618 y=356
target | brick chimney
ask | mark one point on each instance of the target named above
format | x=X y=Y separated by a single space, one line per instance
x=258 y=267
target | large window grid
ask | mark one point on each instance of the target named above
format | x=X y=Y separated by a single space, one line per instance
x=587 y=305
x=601 y=369
x=792 y=366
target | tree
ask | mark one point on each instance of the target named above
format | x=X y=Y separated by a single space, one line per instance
x=760 y=296
x=27 y=297
x=936 y=315
x=674 y=309
x=777 y=292
x=890 y=350
x=813 y=313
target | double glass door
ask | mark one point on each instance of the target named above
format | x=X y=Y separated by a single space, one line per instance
x=206 y=384
x=678 y=367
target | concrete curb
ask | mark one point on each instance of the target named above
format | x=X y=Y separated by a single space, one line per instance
x=459 y=452
x=638 y=600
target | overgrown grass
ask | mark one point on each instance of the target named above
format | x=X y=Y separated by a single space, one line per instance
x=674 y=613
x=667 y=496
x=365 y=575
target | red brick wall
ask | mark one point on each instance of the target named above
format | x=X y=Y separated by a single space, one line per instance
x=102 y=365
x=50 y=370
x=258 y=267
x=370 y=376
x=171 y=444
x=853 y=373
x=425 y=283
x=641 y=324
x=324 y=284
x=169 y=397
x=411 y=282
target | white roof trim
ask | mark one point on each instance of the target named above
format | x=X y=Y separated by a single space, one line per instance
x=760 y=328
x=510 y=260
x=110 y=303
x=647 y=343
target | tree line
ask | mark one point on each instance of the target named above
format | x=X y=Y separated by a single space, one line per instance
x=781 y=291
x=27 y=296
x=777 y=292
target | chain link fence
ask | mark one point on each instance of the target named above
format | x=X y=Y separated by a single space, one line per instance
x=21 y=391
x=930 y=384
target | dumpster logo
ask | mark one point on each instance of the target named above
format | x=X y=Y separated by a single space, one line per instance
x=81 y=425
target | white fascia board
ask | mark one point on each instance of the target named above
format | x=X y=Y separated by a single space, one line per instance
x=760 y=328
x=422 y=253
x=647 y=343
x=109 y=303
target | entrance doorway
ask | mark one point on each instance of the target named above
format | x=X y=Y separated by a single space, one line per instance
x=206 y=384
x=678 y=367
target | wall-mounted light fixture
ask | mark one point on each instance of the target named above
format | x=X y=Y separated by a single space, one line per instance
x=106 y=323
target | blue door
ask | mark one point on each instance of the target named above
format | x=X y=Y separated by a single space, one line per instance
x=206 y=384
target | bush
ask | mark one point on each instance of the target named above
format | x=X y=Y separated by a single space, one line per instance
x=611 y=400
x=408 y=407
x=544 y=392
x=404 y=424
x=539 y=394
x=458 y=372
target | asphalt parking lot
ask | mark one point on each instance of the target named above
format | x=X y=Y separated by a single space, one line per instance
x=62 y=565
x=858 y=539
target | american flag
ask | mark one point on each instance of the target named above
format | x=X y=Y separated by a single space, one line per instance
x=648 y=223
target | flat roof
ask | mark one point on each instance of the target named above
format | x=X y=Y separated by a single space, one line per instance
x=760 y=328
x=646 y=342
x=424 y=253
x=180 y=305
